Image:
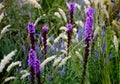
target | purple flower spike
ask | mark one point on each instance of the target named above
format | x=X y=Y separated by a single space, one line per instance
x=71 y=6
x=31 y=27
x=33 y=61
x=71 y=10
x=44 y=35
x=88 y=37
x=69 y=27
x=89 y=11
x=89 y=23
x=37 y=66
x=69 y=32
x=88 y=27
x=32 y=58
x=45 y=28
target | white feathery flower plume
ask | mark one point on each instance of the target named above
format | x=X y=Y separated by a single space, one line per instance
x=1 y=5
x=48 y=43
x=57 y=14
x=44 y=14
x=116 y=44
x=105 y=11
x=56 y=61
x=63 y=62
x=63 y=28
x=63 y=51
x=96 y=32
x=24 y=75
x=78 y=6
x=87 y=2
x=23 y=71
x=65 y=44
x=85 y=8
x=13 y=64
x=36 y=21
x=9 y=78
x=80 y=23
x=101 y=3
x=4 y=30
x=74 y=30
x=1 y=16
x=46 y=61
x=76 y=35
x=33 y=3
x=79 y=55
x=96 y=2
x=57 y=39
x=6 y=60
x=67 y=4
x=74 y=40
x=62 y=35
x=63 y=14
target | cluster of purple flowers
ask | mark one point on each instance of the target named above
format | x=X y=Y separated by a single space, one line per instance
x=69 y=27
x=45 y=28
x=89 y=23
x=71 y=6
x=71 y=9
x=88 y=37
x=32 y=58
x=33 y=62
x=31 y=28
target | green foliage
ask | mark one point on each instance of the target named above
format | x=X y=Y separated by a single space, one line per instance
x=100 y=70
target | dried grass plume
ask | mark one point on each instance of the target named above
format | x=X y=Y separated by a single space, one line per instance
x=6 y=60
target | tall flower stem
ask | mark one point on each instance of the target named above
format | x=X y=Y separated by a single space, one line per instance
x=38 y=78
x=45 y=42
x=85 y=59
x=37 y=71
x=69 y=34
x=69 y=30
x=71 y=17
x=88 y=35
x=31 y=31
x=32 y=60
x=32 y=40
x=32 y=75
x=69 y=40
x=44 y=35
x=71 y=9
